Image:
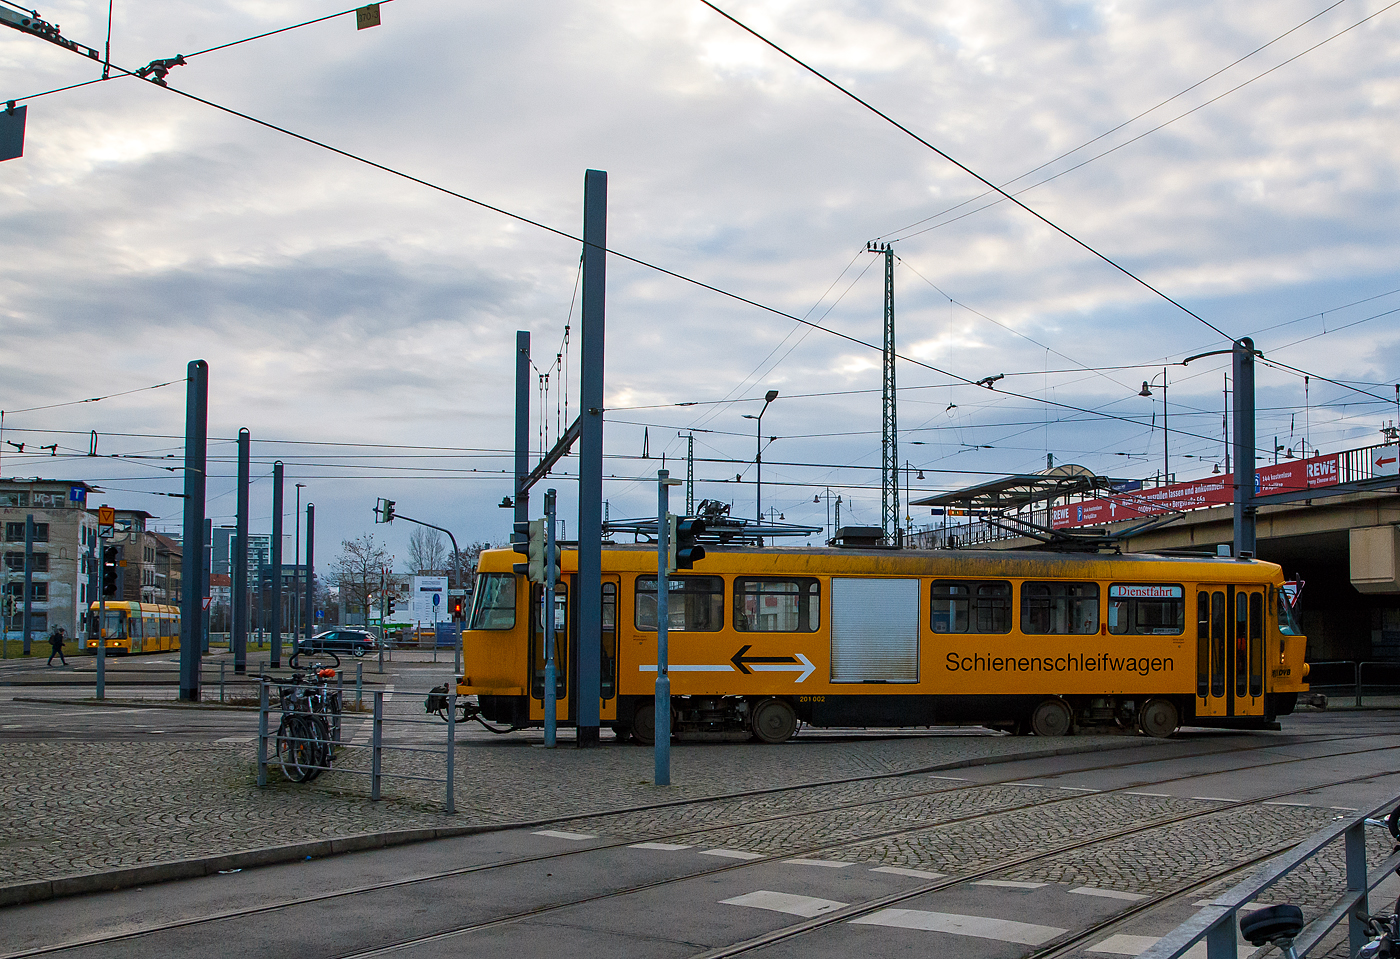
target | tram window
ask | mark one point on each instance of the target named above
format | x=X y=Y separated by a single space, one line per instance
x=1141 y=609
x=1202 y=644
x=1060 y=608
x=1287 y=622
x=696 y=603
x=777 y=605
x=493 y=601
x=969 y=607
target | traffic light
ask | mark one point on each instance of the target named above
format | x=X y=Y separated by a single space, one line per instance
x=384 y=511
x=110 y=572
x=682 y=549
x=528 y=539
x=389 y=604
x=455 y=608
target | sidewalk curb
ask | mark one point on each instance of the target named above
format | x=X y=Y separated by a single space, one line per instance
x=130 y=876
x=132 y=704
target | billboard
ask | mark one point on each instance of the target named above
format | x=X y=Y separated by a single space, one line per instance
x=430 y=599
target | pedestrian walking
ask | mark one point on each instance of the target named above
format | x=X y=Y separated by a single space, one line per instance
x=56 y=641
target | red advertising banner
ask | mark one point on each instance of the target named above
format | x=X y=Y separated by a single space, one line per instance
x=1211 y=491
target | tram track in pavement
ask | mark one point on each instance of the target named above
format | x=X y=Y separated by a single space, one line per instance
x=691 y=831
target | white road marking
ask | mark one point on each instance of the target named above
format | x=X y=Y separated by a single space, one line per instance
x=901 y=871
x=1032 y=785
x=1106 y=893
x=663 y=846
x=980 y=927
x=829 y=863
x=951 y=779
x=731 y=853
x=1345 y=808
x=1009 y=884
x=236 y=739
x=1213 y=799
x=1080 y=789
x=556 y=834
x=1121 y=945
x=1273 y=802
x=805 y=906
x=1153 y=795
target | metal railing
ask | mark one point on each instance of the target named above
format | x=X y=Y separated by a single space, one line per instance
x=377 y=745
x=1350 y=675
x=1217 y=923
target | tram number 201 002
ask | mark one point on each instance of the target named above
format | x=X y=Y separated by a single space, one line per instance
x=811 y=699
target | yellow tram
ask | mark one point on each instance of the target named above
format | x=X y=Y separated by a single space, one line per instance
x=762 y=639
x=135 y=628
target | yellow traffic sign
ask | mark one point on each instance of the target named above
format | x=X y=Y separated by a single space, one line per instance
x=106 y=516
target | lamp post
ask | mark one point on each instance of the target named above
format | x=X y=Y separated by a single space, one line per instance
x=296 y=575
x=769 y=397
x=1147 y=391
x=827 y=496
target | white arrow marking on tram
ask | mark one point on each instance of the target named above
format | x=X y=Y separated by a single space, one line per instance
x=699 y=668
x=805 y=667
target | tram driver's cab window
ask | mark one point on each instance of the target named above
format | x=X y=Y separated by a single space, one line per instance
x=493 y=602
x=1060 y=608
x=773 y=605
x=957 y=607
x=695 y=603
x=1146 y=609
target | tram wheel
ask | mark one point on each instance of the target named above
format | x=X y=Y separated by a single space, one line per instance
x=1052 y=718
x=644 y=724
x=1158 y=718
x=774 y=721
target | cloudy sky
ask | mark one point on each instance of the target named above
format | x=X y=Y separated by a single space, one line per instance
x=362 y=326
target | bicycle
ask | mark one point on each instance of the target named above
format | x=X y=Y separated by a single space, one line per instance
x=310 y=726
x=293 y=660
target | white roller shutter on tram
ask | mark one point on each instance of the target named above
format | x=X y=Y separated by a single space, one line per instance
x=874 y=630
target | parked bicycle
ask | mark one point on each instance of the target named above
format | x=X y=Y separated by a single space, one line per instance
x=302 y=647
x=310 y=727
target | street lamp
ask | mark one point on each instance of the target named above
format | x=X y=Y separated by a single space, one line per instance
x=769 y=397
x=1147 y=391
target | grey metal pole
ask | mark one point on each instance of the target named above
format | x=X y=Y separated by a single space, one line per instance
x=208 y=564
x=589 y=582
x=262 y=733
x=451 y=748
x=522 y=424
x=276 y=564
x=295 y=616
x=661 y=705
x=310 y=612
x=359 y=682
x=101 y=692
x=376 y=743
x=28 y=579
x=1166 y=434
x=551 y=701
x=1244 y=478
x=192 y=543
x=239 y=640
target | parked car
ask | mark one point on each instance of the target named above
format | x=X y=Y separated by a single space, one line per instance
x=354 y=641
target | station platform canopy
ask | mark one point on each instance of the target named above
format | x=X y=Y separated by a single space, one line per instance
x=1020 y=491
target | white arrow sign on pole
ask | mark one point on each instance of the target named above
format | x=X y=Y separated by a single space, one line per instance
x=1386 y=461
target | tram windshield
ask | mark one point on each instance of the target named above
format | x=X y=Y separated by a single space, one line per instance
x=1287 y=624
x=114 y=624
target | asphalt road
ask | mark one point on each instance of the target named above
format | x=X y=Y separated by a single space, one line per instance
x=917 y=865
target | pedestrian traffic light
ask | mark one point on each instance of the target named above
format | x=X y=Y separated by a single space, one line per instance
x=389 y=604
x=110 y=572
x=682 y=548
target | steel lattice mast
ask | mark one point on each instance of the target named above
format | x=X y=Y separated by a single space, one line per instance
x=889 y=438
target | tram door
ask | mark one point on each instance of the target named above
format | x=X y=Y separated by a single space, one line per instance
x=1230 y=651
x=565 y=663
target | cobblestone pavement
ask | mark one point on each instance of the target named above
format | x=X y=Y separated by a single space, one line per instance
x=76 y=808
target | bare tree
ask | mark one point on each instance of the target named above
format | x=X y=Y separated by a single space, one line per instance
x=427 y=555
x=356 y=571
x=468 y=558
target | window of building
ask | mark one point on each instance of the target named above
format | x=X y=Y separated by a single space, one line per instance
x=493 y=602
x=1143 y=609
x=695 y=603
x=1060 y=608
x=14 y=498
x=958 y=607
x=40 y=500
x=38 y=593
x=777 y=605
x=14 y=532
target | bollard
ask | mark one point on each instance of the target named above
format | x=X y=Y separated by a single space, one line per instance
x=381 y=658
x=1358 y=684
x=359 y=683
x=376 y=743
x=457 y=659
x=451 y=747
x=221 y=682
x=262 y=735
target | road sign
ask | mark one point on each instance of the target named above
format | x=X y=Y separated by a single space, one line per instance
x=106 y=516
x=1386 y=460
x=78 y=494
x=205 y=601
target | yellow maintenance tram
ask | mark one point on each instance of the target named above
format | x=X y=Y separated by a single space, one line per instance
x=764 y=639
x=134 y=628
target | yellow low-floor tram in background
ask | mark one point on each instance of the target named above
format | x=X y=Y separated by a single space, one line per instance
x=134 y=627
x=761 y=640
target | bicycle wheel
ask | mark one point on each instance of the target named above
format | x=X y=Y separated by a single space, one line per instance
x=319 y=746
x=292 y=747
